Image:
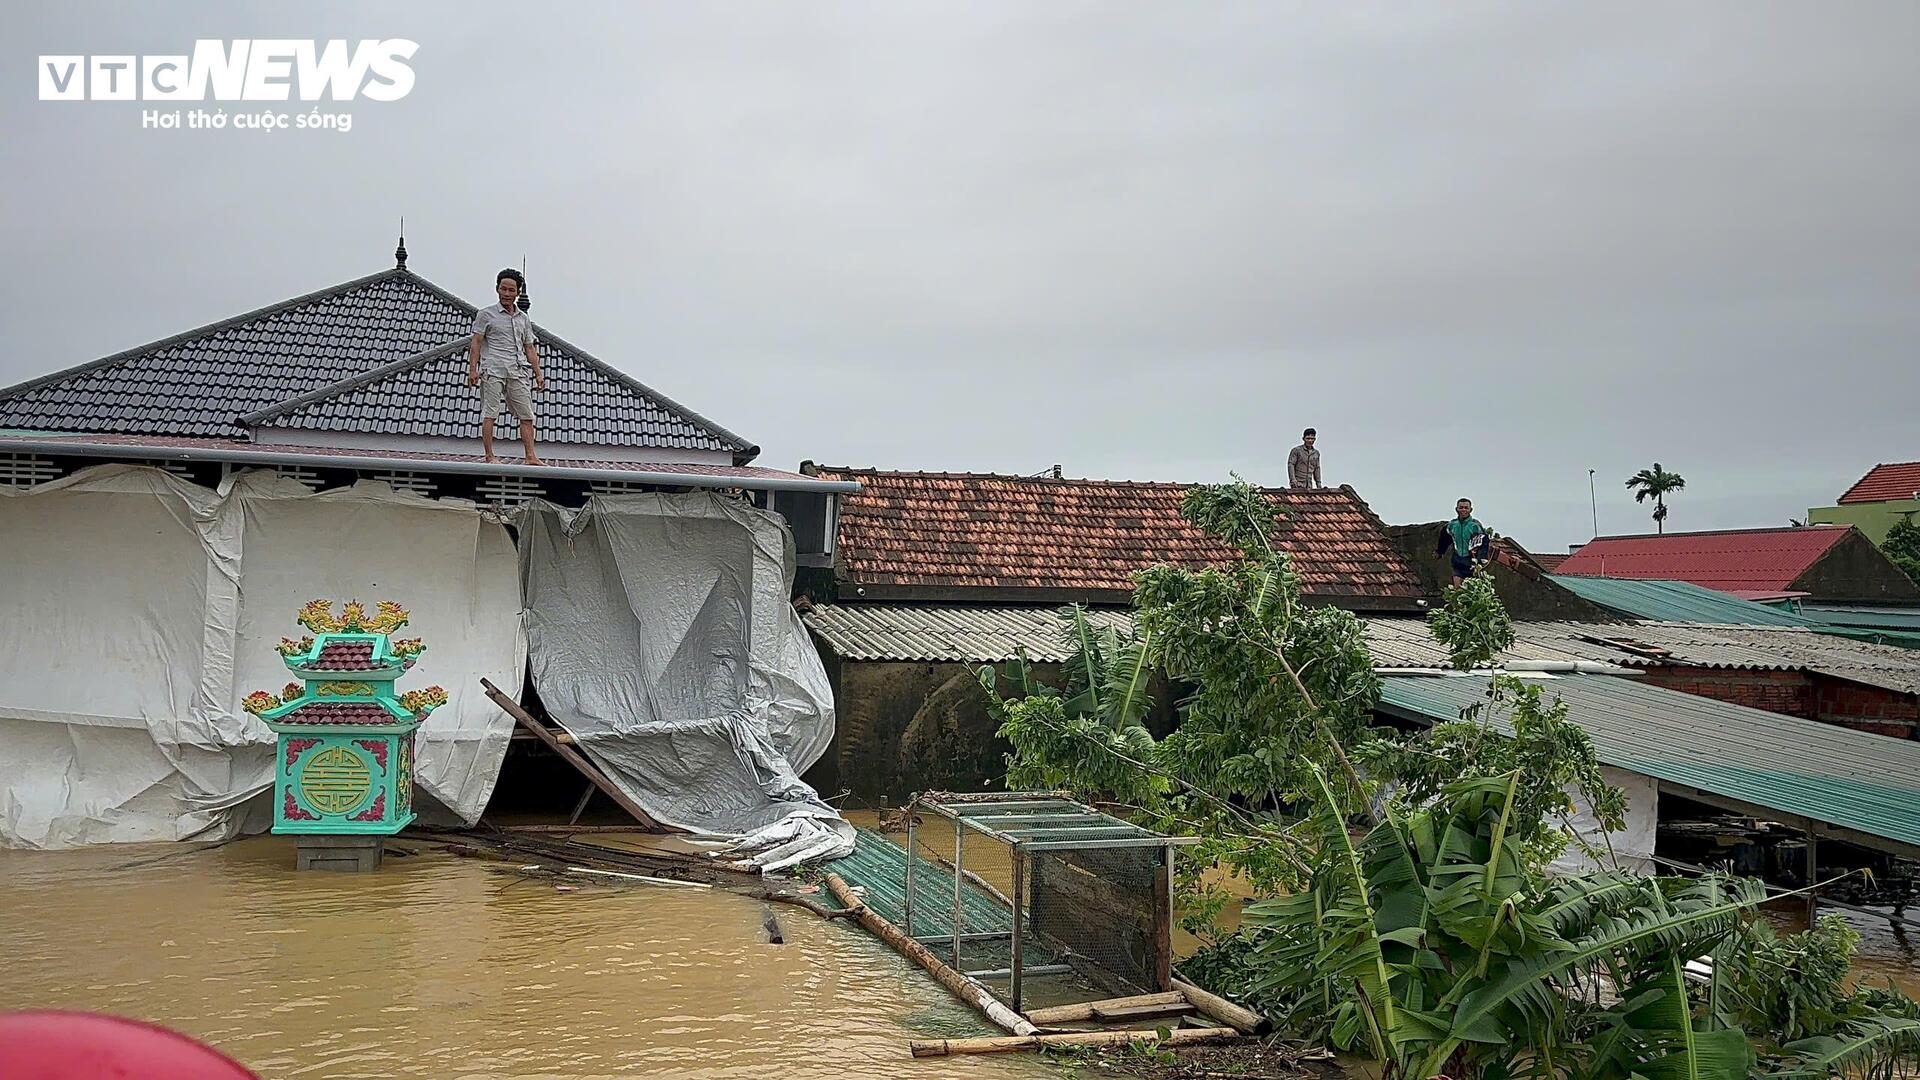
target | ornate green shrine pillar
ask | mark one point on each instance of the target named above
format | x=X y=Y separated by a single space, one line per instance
x=344 y=774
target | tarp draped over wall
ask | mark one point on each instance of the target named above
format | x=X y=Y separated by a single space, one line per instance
x=661 y=637
x=142 y=609
x=1629 y=848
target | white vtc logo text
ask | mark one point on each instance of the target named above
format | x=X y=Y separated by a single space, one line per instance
x=241 y=70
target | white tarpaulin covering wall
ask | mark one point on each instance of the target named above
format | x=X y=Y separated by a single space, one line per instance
x=1631 y=847
x=662 y=639
x=141 y=609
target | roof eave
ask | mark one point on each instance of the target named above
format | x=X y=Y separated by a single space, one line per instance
x=246 y=455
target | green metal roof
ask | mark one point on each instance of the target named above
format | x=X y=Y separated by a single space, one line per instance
x=1676 y=601
x=1860 y=783
x=1881 y=617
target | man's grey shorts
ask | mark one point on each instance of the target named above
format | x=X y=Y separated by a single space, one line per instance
x=495 y=387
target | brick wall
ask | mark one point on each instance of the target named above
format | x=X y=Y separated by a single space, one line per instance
x=1796 y=693
x=1789 y=692
x=1867 y=708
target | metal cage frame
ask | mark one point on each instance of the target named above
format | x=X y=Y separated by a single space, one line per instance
x=1029 y=822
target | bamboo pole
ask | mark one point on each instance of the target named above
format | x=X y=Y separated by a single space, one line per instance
x=1068 y=1014
x=1003 y=1044
x=1243 y=1019
x=957 y=984
x=572 y=757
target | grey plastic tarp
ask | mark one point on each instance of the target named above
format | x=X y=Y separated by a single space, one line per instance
x=141 y=609
x=661 y=637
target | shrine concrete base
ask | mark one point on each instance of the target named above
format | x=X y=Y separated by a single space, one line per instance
x=351 y=854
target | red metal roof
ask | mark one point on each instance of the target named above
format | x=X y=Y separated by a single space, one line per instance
x=1737 y=560
x=1013 y=533
x=1885 y=483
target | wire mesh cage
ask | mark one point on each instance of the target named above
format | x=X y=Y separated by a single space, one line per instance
x=1017 y=886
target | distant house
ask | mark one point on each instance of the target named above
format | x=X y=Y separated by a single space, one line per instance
x=934 y=574
x=1820 y=563
x=1887 y=494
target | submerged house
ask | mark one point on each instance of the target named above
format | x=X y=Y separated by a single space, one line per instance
x=167 y=508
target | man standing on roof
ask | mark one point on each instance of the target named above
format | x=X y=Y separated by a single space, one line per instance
x=503 y=354
x=1303 y=464
x=1466 y=540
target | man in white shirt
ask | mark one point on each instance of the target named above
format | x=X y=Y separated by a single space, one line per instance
x=502 y=356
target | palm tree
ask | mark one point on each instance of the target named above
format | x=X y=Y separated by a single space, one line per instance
x=1656 y=484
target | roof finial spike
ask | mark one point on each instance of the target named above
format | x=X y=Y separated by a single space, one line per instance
x=526 y=301
x=400 y=253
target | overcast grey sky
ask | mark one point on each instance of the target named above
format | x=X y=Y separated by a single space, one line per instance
x=1483 y=248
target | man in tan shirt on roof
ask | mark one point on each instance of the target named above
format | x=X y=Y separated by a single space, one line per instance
x=500 y=359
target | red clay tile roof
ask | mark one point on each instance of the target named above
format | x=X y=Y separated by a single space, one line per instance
x=344 y=656
x=340 y=712
x=1011 y=534
x=1885 y=483
x=1549 y=563
x=1738 y=560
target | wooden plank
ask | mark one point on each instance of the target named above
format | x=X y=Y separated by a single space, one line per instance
x=1067 y=1014
x=1163 y=922
x=573 y=758
x=1130 y=1013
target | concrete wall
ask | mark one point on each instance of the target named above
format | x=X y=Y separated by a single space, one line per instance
x=1874 y=519
x=1853 y=570
x=908 y=726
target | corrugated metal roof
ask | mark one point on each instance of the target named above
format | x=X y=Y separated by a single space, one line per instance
x=1873 y=618
x=985 y=634
x=1847 y=779
x=977 y=635
x=1768 y=560
x=1409 y=643
x=1886 y=482
x=1675 y=601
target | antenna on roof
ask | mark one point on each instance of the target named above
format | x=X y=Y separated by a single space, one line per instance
x=526 y=302
x=400 y=253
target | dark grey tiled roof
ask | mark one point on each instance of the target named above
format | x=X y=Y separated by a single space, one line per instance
x=584 y=402
x=383 y=340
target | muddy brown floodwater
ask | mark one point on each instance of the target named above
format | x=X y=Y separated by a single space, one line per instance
x=436 y=967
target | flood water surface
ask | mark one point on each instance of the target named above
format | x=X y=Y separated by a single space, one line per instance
x=436 y=966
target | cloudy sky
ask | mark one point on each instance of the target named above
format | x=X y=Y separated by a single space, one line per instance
x=1483 y=248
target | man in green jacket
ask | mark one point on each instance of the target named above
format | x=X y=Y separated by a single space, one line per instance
x=1466 y=540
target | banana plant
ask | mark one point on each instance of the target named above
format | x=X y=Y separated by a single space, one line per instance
x=1432 y=945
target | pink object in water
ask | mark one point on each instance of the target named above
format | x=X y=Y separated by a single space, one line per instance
x=89 y=1046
